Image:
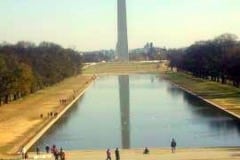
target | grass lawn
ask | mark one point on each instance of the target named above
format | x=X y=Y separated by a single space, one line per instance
x=20 y=120
x=223 y=95
x=121 y=68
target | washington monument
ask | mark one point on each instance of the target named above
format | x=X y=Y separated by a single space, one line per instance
x=122 y=42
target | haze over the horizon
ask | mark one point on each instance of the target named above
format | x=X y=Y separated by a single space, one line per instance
x=92 y=24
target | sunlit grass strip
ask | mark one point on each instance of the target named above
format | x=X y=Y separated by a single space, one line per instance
x=226 y=96
x=124 y=68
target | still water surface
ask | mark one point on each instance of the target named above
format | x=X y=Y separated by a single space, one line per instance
x=137 y=111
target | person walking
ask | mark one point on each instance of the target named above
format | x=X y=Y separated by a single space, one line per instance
x=54 y=151
x=37 y=150
x=47 y=148
x=117 y=154
x=146 y=150
x=173 y=145
x=62 y=154
x=108 y=152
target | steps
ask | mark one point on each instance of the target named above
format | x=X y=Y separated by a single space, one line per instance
x=41 y=156
x=155 y=154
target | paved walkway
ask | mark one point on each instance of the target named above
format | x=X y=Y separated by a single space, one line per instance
x=155 y=154
x=41 y=156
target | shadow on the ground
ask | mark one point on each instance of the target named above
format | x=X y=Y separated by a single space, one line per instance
x=235 y=150
x=236 y=155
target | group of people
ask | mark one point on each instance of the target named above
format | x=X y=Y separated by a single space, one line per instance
x=58 y=154
x=49 y=114
x=173 y=147
x=63 y=101
x=117 y=154
x=145 y=151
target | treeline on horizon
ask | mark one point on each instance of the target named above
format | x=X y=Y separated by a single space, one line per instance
x=26 y=68
x=217 y=59
x=148 y=52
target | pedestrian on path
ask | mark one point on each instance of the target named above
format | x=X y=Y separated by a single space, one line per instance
x=173 y=145
x=37 y=150
x=47 y=148
x=117 y=154
x=108 y=152
x=146 y=150
x=62 y=154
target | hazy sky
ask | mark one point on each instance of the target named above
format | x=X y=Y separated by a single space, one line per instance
x=91 y=24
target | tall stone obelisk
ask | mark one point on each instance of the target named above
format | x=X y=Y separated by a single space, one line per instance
x=122 y=43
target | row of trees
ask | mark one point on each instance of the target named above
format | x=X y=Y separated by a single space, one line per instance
x=217 y=59
x=26 y=68
x=98 y=56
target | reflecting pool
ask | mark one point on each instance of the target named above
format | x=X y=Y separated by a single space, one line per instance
x=137 y=111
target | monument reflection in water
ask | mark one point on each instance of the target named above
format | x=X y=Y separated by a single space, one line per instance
x=124 y=110
x=159 y=111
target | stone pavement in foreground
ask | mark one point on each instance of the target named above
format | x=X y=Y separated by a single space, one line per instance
x=155 y=154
